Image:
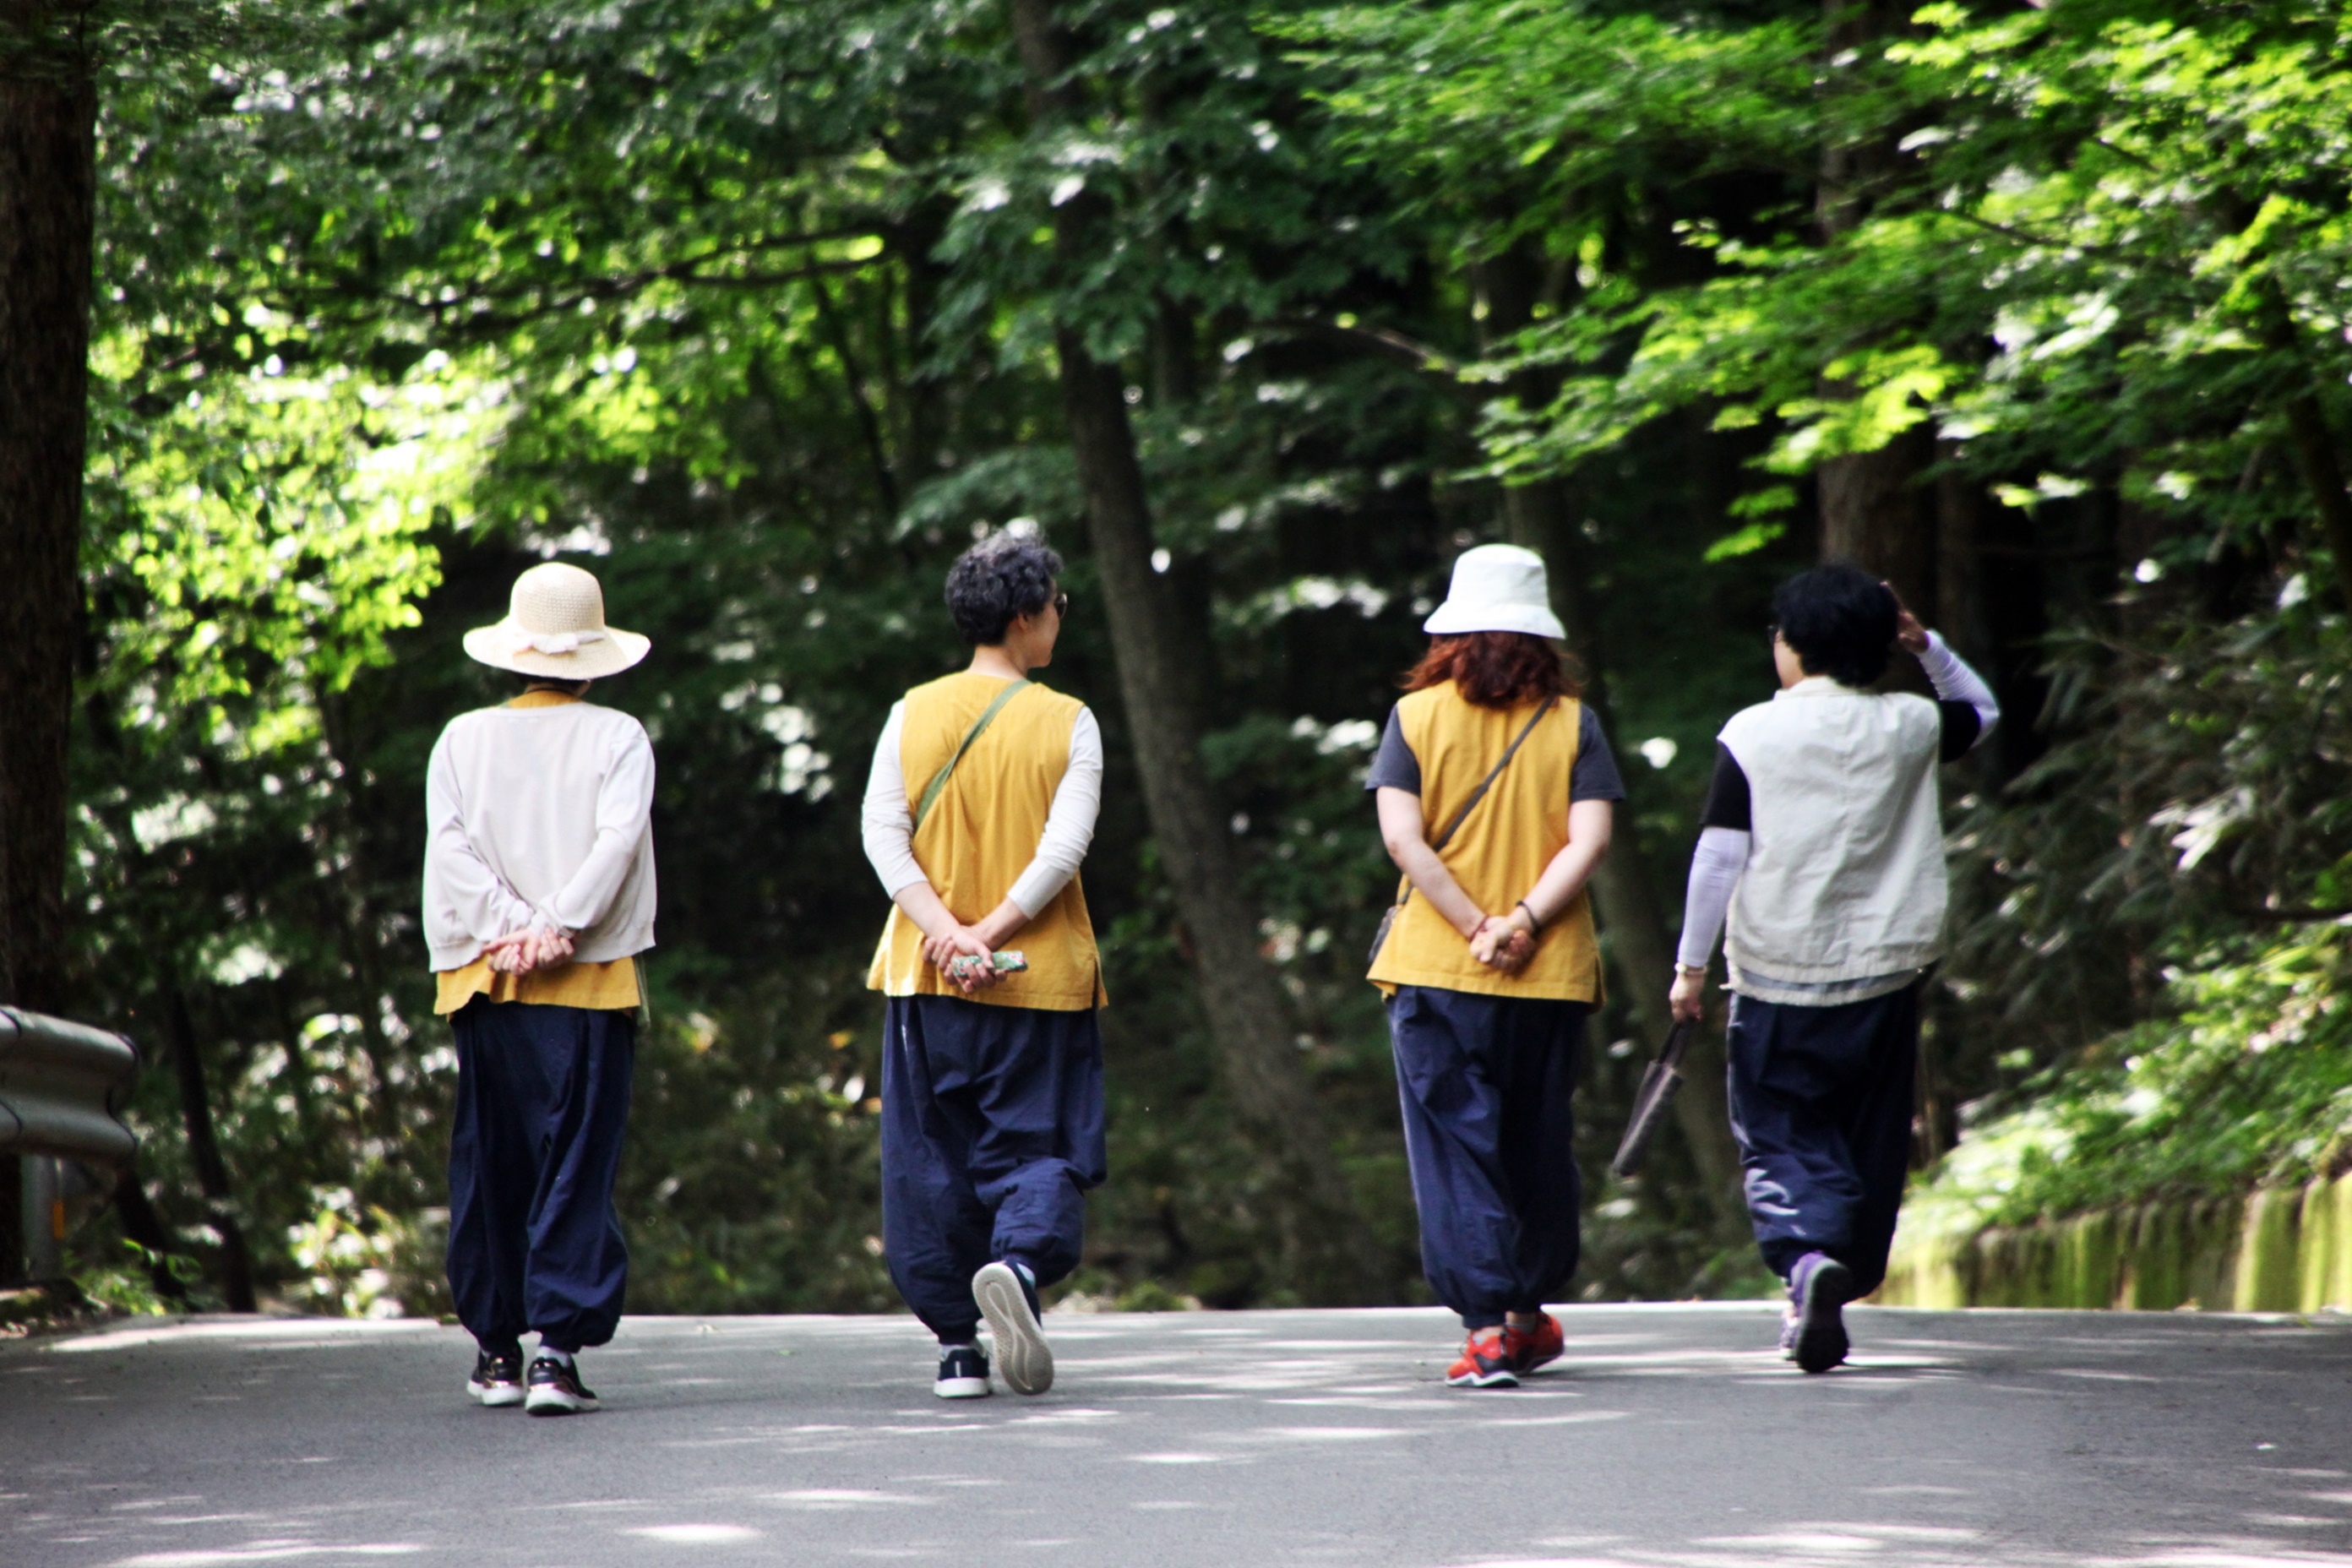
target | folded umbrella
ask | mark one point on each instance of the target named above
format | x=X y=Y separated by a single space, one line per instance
x=1650 y=1105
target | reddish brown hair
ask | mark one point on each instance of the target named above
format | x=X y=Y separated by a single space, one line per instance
x=1494 y=669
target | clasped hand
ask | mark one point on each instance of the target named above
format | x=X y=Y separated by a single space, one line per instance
x=533 y=947
x=963 y=941
x=1502 y=944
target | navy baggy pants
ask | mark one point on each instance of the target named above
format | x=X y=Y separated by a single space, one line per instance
x=1821 y=1103
x=543 y=1103
x=991 y=1133
x=1487 y=1085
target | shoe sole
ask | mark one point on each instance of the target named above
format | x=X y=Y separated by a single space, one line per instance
x=1022 y=1352
x=1821 y=1340
x=541 y=1404
x=495 y=1396
x=962 y=1388
x=1503 y=1379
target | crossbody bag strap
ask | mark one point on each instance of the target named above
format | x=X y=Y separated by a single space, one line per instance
x=1446 y=834
x=987 y=716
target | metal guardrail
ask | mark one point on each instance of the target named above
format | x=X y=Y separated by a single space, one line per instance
x=62 y=1088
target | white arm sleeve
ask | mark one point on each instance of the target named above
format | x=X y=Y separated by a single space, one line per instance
x=624 y=805
x=457 y=876
x=886 y=822
x=1069 y=825
x=1955 y=682
x=1716 y=865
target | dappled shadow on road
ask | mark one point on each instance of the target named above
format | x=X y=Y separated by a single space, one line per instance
x=1666 y=1439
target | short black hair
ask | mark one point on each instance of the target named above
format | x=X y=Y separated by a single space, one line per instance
x=1840 y=620
x=1003 y=576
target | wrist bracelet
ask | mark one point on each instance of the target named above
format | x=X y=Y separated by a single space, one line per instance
x=1533 y=924
x=1697 y=970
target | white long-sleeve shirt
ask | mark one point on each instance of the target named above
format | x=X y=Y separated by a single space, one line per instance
x=540 y=816
x=887 y=823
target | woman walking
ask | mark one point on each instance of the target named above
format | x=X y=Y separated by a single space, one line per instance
x=539 y=897
x=979 y=807
x=1494 y=787
x=1822 y=843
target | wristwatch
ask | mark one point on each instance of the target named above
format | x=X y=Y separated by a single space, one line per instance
x=1695 y=970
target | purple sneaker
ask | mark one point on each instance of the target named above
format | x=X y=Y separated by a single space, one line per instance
x=1819 y=1287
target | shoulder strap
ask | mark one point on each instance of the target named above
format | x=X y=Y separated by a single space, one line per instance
x=1446 y=834
x=1488 y=782
x=987 y=716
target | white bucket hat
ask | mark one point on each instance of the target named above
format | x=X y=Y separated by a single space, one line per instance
x=1496 y=589
x=555 y=627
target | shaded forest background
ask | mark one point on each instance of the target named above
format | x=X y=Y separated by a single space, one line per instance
x=1260 y=315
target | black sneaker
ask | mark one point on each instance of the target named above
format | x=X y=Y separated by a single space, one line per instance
x=498 y=1379
x=963 y=1373
x=556 y=1389
x=1008 y=1299
x=1819 y=1286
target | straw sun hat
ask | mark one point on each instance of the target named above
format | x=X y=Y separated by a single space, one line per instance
x=1496 y=589
x=555 y=627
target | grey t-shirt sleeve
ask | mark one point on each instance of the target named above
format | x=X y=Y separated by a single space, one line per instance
x=1394 y=765
x=1594 y=777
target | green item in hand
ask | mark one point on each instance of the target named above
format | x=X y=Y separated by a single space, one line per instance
x=1006 y=962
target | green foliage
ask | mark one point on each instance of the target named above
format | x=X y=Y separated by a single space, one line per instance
x=2249 y=1082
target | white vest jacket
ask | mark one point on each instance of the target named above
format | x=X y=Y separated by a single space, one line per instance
x=1845 y=865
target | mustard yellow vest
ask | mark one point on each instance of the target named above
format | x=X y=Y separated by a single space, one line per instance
x=981 y=834
x=1500 y=849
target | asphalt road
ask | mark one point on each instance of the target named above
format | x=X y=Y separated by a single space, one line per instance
x=1671 y=1435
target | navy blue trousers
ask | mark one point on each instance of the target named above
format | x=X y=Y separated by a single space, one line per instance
x=543 y=1103
x=1487 y=1085
x=1821 y=1103
x=992 y=1132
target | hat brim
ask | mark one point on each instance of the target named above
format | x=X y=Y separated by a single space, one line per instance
x=615 y=651
x=1451 y=620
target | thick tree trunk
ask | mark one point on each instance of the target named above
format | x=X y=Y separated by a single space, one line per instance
x=1876 y=513
x=1873 y=510
x=48 y=120
x=1331 y=1251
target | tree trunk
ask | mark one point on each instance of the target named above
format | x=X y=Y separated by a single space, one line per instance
x=1876 y=514
x=1329 y=1247
x=48 y=117
x=142 y=1225
x=204 y=1150
x=47 y=177
x=1873 y=510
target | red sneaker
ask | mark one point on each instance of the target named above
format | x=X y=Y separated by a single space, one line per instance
x=1532 y=1348
x=1486 y=1362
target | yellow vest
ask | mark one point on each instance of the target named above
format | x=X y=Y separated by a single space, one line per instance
x=1500 y=849
x=981 y=834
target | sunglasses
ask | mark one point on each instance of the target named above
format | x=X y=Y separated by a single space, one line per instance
x=1061 y=604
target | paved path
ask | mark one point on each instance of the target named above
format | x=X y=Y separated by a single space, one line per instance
x=1672 y=1435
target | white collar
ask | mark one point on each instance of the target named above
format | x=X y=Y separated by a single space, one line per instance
x=1818 y=686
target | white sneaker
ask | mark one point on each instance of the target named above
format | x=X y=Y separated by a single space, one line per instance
x=1009 y=1301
